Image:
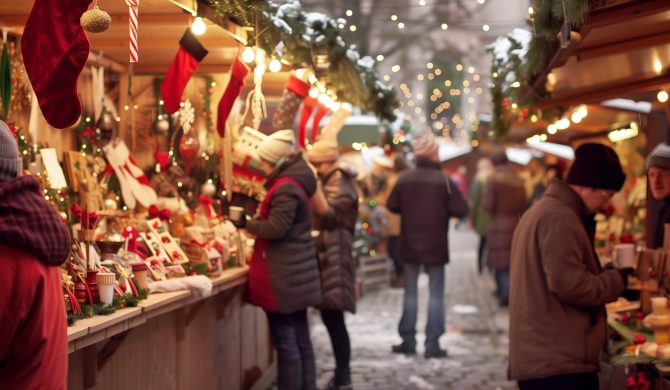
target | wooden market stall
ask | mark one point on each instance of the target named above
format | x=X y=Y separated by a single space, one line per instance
x=180 y=340
x=613 y=64
x=172 y=340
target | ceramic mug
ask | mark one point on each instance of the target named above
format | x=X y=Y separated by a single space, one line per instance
x=624 y=255
x=235 y=213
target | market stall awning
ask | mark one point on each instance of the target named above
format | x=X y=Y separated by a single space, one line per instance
x=599 y=120
x=160 y=27
x=621 y=50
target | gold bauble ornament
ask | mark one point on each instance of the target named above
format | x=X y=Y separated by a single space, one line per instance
x=95 y=20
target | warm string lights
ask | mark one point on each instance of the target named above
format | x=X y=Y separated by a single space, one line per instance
x=444 y=97
x=576 y=116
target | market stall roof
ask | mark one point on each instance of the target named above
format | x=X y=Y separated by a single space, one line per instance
x=621 y=50
x=160 y=27
x=600 y=119
x=307 y=39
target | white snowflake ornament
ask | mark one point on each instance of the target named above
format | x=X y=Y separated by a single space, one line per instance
x=186 y=116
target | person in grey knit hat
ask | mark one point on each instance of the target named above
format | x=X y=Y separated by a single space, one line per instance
x=10 y=161
x=658 y=174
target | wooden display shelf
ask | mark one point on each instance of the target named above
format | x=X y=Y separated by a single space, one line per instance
x=176 y=340
x=99 y=328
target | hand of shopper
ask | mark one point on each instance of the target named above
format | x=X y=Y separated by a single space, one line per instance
x=241 y=222
x=625 y=273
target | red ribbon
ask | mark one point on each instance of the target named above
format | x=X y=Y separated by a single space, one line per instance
x=74 y=304
x=206 y=202
x=88 y=220
x=163 y=215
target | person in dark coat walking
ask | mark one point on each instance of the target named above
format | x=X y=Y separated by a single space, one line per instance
x=505 y=201
x=284 y=271
x=34 y=241
x=658 y=173
x=425 y=199
x=336 y=224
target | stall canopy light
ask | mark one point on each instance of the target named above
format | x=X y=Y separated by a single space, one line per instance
x=623 y=133
x=630 y=105
x=558 y=150
x=198 y=27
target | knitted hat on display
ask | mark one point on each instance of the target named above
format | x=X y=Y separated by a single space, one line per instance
x=10 y=162
x=323 y=151
x=596 y=166
x=276 y=146
x=424 y=146
x=659 y=157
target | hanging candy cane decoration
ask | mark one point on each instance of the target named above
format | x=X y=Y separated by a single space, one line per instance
x=133 y=6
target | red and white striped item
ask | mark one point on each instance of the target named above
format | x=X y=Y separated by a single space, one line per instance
x=133 y=9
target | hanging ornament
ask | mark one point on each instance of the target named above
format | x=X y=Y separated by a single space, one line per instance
x=190 y=144
x=189 y=148
x=162 y=126
x=186 y=116
x=208 y=189
x=133 y=8
x=256 y=99
x=95 y=20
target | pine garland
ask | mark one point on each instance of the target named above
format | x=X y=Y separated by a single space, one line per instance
x=287 y=30
x=88 y=311
x=547 y=20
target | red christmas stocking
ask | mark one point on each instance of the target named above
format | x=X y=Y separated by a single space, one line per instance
x=321 y=111
x=190 y=53
x=307 y=108
x=238 y=73
x=295 y=92
x=55 y=49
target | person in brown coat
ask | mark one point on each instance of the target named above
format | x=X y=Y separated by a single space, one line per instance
x=505 y=201
x=557 y=315
x=336 y=224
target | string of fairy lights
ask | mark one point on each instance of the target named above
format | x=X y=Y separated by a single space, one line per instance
x=470 y=90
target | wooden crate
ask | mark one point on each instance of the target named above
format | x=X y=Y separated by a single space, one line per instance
x=374 y=272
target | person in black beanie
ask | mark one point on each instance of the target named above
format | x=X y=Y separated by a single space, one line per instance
x=557 y=306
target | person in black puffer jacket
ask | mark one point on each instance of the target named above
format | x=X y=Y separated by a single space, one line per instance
x=336 y=223
x=284 y=270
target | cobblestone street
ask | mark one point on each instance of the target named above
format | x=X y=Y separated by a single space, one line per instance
x=476 y=337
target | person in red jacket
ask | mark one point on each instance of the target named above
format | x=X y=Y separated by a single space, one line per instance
x=33 y=242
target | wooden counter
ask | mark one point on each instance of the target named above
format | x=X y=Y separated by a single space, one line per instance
x=175 y=340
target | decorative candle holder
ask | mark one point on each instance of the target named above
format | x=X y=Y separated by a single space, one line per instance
x=105 y=283
x=659 y=320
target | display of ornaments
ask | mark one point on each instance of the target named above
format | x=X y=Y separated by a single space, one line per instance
x=95 y=20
